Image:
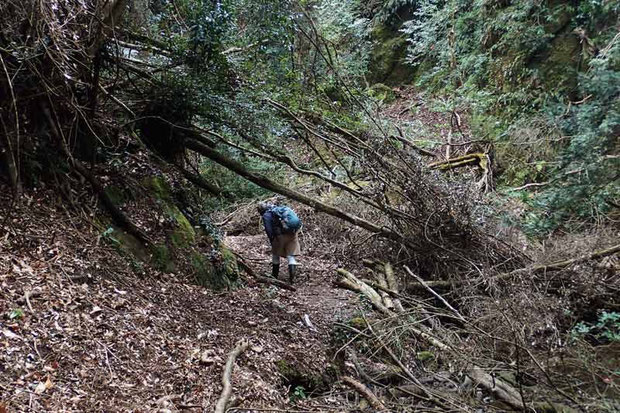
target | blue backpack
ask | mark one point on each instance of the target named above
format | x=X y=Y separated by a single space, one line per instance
x=289 y=220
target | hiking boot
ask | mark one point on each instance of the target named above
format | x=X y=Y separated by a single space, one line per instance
x=292 y=270
x=275 y=269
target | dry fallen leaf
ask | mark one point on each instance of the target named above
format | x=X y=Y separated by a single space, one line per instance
x=10 y=334
x=42 y=386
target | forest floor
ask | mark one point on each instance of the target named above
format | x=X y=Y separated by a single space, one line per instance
x=81 y=331
x=84 y=329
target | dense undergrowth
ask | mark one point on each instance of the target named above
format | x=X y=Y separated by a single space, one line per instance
x=540 y=79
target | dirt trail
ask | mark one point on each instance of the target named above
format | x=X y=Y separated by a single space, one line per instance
x=315 y=295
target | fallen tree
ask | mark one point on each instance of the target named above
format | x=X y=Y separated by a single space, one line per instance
x=271 y=185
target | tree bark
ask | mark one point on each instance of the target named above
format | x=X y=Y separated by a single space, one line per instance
x=204 y=184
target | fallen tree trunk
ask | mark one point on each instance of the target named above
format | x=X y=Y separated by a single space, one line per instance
x=267 y=183
x=536 y=269
x=558 y=265
x=352 y=283
x=226 y=374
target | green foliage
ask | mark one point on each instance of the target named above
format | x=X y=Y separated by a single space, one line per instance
x=340 y=24
x=16 y=314
x=516 y=65
x=606 y=329
x=195 y=29
x=382 y=93
x=299 y=393
x=587 y=171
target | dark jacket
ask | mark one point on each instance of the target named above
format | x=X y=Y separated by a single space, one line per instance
x=273 y=228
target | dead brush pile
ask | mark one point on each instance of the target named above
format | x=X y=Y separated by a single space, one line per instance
x=502 y=339
x=466 y=320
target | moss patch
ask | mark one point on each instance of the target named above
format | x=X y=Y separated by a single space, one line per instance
x=382 y=92
x=184 y=234
x=358 y=322
x=130 y=244
x=217 y=273
x=387 y=58
x=117 y=195
x=158 y=187
x=425 y=356
x=162 y=259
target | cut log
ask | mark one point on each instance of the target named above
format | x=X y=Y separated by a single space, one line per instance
x=392 y=284
x=387 y=300
x=470 y=159
x=226 y=374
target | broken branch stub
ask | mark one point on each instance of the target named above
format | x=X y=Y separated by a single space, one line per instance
x=373 y=400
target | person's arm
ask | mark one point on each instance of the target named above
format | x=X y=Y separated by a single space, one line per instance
x=269 y=225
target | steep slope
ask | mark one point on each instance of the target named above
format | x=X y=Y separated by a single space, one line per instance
x=82 y=331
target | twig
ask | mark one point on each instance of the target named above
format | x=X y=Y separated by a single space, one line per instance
x=437 y=295
x=373 y=400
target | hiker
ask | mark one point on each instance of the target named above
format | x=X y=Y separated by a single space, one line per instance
x=281 y=225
